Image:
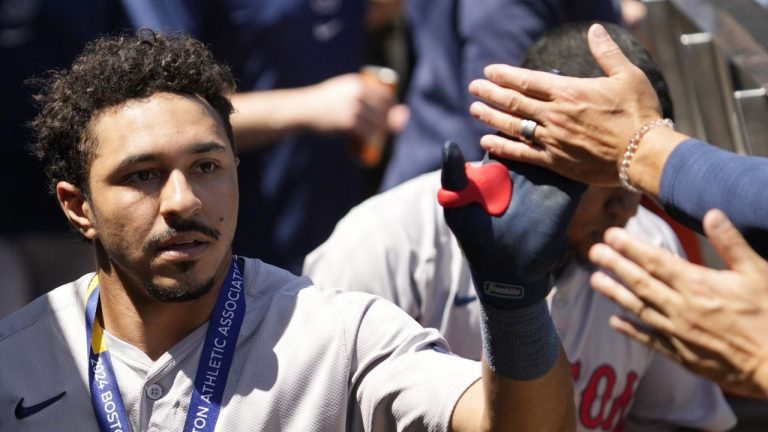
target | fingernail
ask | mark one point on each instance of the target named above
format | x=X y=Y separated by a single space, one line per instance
x=486 y=142
x=599 y=32
x=599 y=278
x=477 y=86
x=475 y=109
x=614 y=235
x=597 y=252
x=489 y=71
x=717 y=219
x=601 y=282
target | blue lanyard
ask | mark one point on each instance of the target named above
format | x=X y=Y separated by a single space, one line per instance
x=212 y=369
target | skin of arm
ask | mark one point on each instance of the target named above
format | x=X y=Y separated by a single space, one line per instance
x=541 y=404
x=348 y=104
x=584 y=124
x=711 y=321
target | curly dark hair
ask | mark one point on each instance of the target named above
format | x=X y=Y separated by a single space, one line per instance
x=110 y=71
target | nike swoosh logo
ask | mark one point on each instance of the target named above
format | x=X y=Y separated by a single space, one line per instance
x=22 y=411
x=459 y=300
x=326 y=31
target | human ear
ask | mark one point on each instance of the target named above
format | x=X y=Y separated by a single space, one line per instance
x=76 y=208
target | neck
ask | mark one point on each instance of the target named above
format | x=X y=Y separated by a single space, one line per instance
x=153 y=328
x=129 y=313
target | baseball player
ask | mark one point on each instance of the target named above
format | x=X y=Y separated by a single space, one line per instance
x=172 y=332
x=397 y=245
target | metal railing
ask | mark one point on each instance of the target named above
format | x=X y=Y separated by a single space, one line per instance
x=714 y=56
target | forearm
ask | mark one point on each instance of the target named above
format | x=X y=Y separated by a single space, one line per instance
x=647 y=165
x=526 y=381
x=698 y=177
x=261 y=117
x=541 y=404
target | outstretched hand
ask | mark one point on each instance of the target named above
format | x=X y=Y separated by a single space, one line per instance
x=584 y=125
x=711 y=321
x=513 y=253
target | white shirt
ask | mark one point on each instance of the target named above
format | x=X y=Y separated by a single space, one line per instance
x=398 y=246
x=307 y=359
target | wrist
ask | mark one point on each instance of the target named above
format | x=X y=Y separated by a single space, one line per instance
x=520 y=344
x=496 y=291
x=307 y=110
x=645 y=168
x=633 y=145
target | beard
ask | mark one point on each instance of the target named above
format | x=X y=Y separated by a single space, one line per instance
x=178 y=293
x=133 y=268
x=183 y=289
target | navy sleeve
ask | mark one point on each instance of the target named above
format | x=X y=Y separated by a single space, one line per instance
x=698 y=177
x=496 y=31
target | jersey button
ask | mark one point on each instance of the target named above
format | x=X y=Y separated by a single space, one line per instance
x=154 y=392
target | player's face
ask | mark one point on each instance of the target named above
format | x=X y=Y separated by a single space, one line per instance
x=599 y=209
x=163 y=194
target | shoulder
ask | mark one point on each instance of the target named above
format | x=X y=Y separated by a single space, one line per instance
x=404 y=200
x=296 y=308
x=45 y=311
x=385 y=233
x=285 y=296
x=43 y=347
x=408 y=207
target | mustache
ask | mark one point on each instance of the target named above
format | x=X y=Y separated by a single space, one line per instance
x=177 y=227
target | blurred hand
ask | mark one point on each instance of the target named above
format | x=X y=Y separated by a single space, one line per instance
x=632 y=12
x=711 y=321
x=397 y=118
x=350 y=104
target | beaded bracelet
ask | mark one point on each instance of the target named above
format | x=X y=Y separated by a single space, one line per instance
x=634 y=143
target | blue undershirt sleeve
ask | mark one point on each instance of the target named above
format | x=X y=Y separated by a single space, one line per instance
x=698 y=177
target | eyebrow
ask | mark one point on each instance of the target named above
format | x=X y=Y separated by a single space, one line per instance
x=208 y=147
x=146 y=157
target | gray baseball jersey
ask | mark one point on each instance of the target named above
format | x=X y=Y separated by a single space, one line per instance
x=307 y=359
x=398 y=246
